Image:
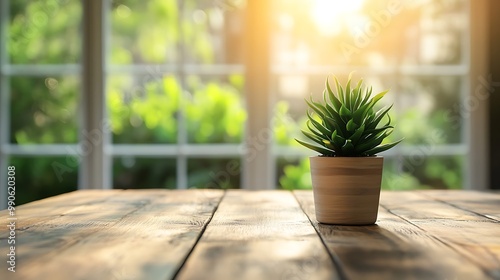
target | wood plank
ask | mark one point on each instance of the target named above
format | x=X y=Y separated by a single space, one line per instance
x=44 y=239
x=259 y=235
x=486 y=204
x=392 y=249
x=141 y=234
x=474 y=236
x=46 y=209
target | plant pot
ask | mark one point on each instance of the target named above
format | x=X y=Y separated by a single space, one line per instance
x=346 y=189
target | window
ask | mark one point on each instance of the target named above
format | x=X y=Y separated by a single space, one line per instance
x=209 y=94
x=174 y=89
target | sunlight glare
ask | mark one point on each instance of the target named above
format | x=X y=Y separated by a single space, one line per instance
x=328 y=13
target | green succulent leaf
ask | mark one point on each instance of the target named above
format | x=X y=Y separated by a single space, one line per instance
x=316 y=109
x=336 y=116
x=319 y=126
x=357 y=135
x=379 y=116
x=377 y=97
x=340 y=90
x=348 y=148
x=372 y=142
x=329 y=145
x=382 y=148
x=377 y=130
x=334 y=134
x=367 y=96
x=321 y=150
x=313 y=137
x=351 y=125
x=361 y=113
x=323 y=110
x=344 y=113
x=339 y=141
x=331 y=110
x=347 y=98
x=314 y=131
x=388 y=120
x=335 y=101
x=339 y=127
x=358 y=93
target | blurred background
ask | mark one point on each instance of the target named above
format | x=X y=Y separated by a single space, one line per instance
x=209 y=93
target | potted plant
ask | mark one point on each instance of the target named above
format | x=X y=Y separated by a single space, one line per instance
x=348 y=133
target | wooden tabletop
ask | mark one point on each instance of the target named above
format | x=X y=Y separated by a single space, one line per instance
x=236 y=234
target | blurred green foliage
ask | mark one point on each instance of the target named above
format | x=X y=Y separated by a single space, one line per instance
x=45 y=32
x=296 y=176
x=213 y=113
x=43 y=110
x=36 y=179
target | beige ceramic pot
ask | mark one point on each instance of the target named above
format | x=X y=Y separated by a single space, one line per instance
x=346 y=189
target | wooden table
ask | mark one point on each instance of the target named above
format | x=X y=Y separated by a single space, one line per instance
x=235 y=234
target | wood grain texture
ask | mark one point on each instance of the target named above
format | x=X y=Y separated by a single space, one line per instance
x=42 y=210
x=132 y=235
x=259 y=235
x=474 y=236
x=486 y=204
x=392 y=249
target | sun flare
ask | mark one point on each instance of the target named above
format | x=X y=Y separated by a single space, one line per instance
x=327 y=13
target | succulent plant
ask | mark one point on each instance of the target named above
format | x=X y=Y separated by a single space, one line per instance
x=348 y=125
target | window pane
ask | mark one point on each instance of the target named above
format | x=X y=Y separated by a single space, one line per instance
x=375 y=32
x=45 y=32
x=148 y=31
x=214 y=173
x=394 y=178
x=214 y=109
x=44 y=110
x=293 y=173
x=131 y=172
x=213 y=31
x=41 y=177
x=143 y=108
x=430 y=110
x=428 y=172
x=289 y=113
x=144 y=31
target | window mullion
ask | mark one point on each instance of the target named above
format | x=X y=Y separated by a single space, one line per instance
x=478 y=154
x=258 y=160
x=94 y=136
x=182 y=162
